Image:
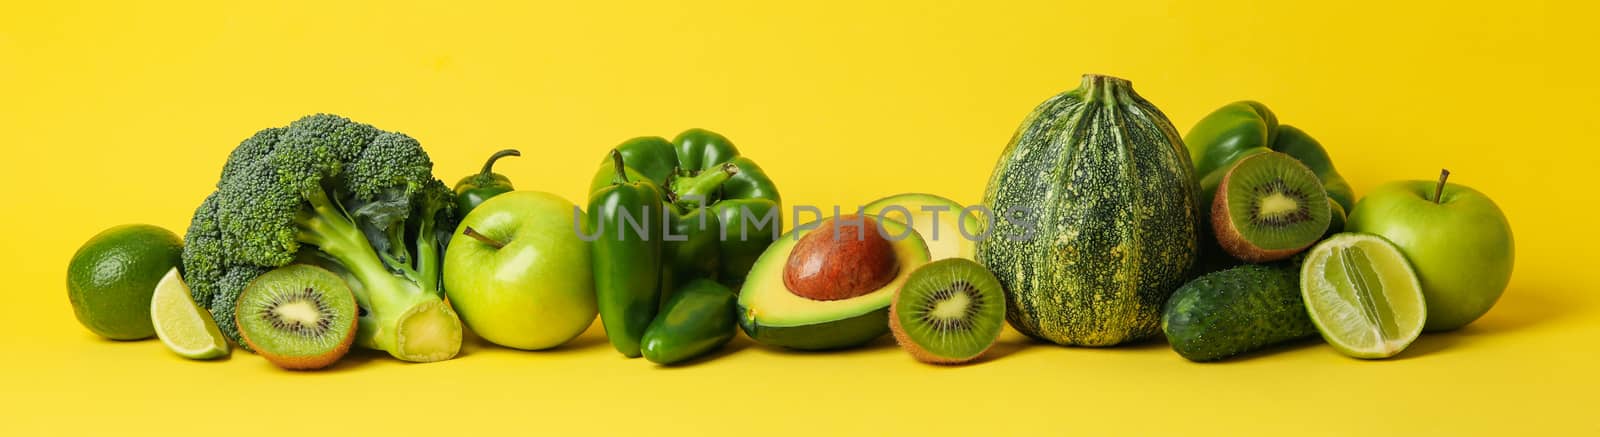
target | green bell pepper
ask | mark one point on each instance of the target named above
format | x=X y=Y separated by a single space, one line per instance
x=473 y=190
x=698 y=319
x=1245 y=128
x=626 y=254
x=725 y=209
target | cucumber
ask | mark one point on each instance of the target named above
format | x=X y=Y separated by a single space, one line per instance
x=1238 y=310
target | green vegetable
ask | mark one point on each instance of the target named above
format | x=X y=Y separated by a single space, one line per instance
x=1238 y=310
x=473 y=190
x=697 y=319
x=357 y=200
x=700 y=171
x=1096 y=217
x=626 y=256
x=1246 y=128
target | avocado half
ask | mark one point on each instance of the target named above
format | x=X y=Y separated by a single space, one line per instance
x=941 y=226
x=771 y=314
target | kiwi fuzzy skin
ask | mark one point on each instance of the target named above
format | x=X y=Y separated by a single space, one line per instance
x=301 y=363
x=1232 y=240
x=916 y=350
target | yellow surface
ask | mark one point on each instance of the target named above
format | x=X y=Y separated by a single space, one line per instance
x=121 y=112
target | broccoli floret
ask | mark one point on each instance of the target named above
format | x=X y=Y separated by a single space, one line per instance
x=203 y=253
x=227 y=289
x=363 y=200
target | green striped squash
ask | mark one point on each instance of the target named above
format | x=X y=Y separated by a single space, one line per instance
x=1096 y=217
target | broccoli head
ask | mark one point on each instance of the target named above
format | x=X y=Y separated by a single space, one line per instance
x=358 y=200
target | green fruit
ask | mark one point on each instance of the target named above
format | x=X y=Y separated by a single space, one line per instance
x=111 y=278
x=1096 y=221
x=1362 y=295
x=1238 y=310
x=1269 y=207
x=184 y=327
x=940 y=221
x=948 y=312
x=298 y=317
x=771 y=313
x=524 y=281
x=1461 y=246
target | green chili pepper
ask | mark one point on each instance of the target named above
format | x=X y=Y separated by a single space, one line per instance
x=474 y=190
x=626 y=215
x=698 y=319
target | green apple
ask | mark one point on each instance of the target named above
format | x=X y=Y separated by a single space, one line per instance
x=1455 y=237
x=518 y=273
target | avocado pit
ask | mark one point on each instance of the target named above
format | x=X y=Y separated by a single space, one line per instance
x=840 y=260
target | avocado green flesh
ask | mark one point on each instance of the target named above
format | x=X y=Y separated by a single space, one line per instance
x=947 y=239
x=771 y=314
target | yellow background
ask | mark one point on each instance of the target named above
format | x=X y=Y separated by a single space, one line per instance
x=120 y=112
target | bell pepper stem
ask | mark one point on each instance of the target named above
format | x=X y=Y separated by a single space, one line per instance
x=704 y=184
x=484 y=238
x=620 y=167
x=488 y=166
x=1438 y=191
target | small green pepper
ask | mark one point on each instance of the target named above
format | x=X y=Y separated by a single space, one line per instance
x=698 y=319
x=474 y=190
x=626 y=256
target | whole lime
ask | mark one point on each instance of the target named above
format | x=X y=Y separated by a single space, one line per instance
x=111 y=278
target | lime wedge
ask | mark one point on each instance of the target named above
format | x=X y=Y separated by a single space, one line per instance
x=182 y=325
x=1363 y=295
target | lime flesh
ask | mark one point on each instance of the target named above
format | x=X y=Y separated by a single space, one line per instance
x=1363 y=295
x=185 y=328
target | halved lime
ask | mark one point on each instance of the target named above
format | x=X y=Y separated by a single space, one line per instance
x=1363 y=295
x=182 y=325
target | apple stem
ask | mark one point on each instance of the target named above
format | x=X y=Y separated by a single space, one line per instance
x=484 y=238
x=1438 y=192
x=621 y=168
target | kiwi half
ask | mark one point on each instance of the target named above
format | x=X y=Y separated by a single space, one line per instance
x=1269 y=207
x=948 y=312
x=298 y=317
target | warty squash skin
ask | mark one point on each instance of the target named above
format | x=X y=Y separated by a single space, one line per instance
x=1110 y=192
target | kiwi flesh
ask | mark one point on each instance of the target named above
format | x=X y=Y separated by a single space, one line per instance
x=1269 y=207
x=298 y=317
x=948 y=312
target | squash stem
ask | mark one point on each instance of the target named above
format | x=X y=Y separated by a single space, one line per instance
x=1105 y=89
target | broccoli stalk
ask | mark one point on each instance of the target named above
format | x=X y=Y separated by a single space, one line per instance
x=404 y=313
x=344 y=195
